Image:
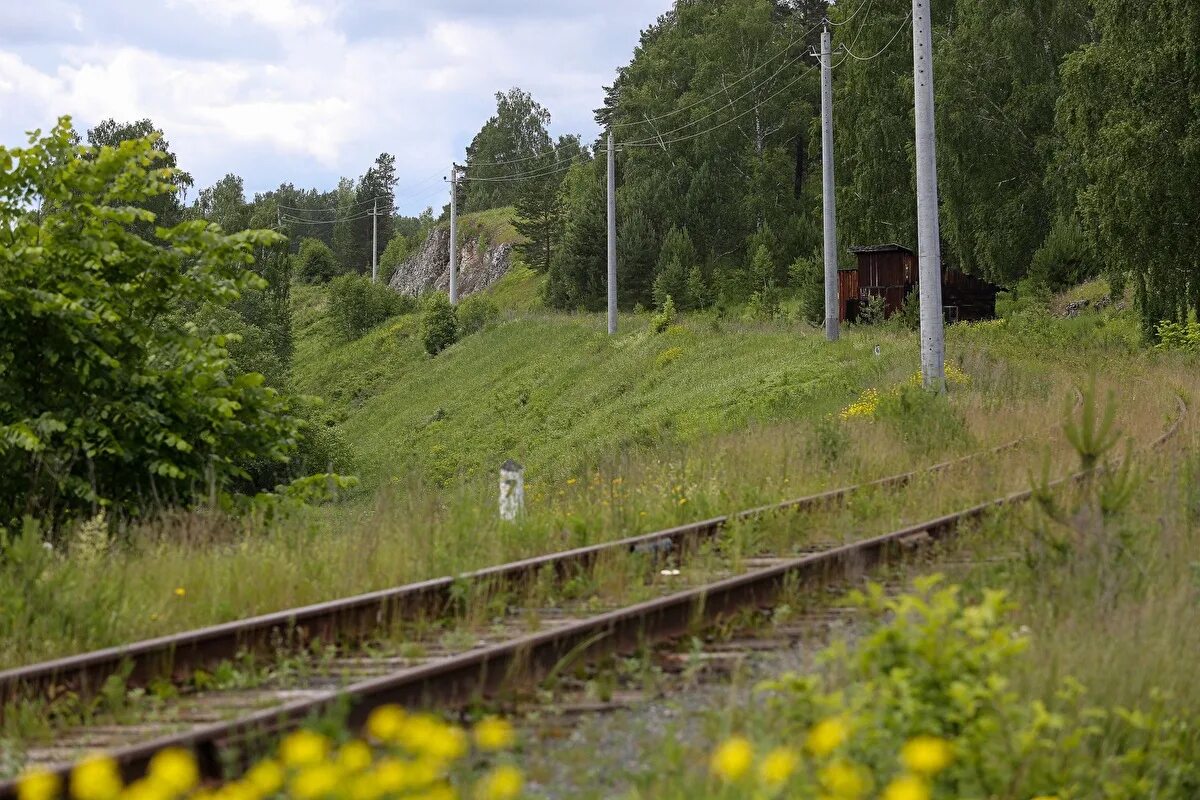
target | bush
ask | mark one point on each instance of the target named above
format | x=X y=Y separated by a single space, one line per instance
x=808 y=276
x=104 y=400
x=439 y=325
x=1178 y=336
x=315 y=263
x=356 y=305
x=663 y=319
x=475 y=313
x=873 y=312
x=910 y=313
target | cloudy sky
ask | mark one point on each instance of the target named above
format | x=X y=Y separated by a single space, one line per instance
x=309 y=90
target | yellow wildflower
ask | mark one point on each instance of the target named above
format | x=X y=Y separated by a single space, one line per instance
x=386 y=723
x=843 y=780
x=180 y=591
x=146 y=789
x=266 y=776
x=390 y=776
x=175 y=768
x=38 y=784
x=502 y=783
x=493 y=733
x=318 y=780
x=95 y=778
x=907 y=787
x=571 y=481
x=303 y=748
x=778 y=766
x=731 y=760
x=926 y=755
x=354 y=756
x=827 y=736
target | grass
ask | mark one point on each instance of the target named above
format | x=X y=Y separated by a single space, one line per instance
x=644 y=431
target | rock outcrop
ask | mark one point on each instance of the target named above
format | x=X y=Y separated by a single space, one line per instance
x=480 y=264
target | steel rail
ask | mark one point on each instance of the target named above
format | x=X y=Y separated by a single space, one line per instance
x=526 y=658
x=177 y=655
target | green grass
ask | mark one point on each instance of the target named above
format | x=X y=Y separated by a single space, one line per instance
x=554 y=391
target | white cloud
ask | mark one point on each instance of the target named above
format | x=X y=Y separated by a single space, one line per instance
x=307 y=100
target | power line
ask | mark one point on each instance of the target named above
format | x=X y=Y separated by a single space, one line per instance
x=756 y=106
x=724 y=89
x=717 y=110
x=524 y=176
x=899 y=30
x=852 y=16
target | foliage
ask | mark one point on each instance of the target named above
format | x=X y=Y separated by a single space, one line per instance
x=167 y=206
x=872 y=312
x=1093 y=434
x=355 y=232
x=579 y=268
x=808 y=276
x=667 y=356
x=1132 y=148
x=909 y=316
x=475 y=313
x=104 y=402
x=1178 y=336
x=356 y=304
x=439 y=325
x=539 y=206
x=513 y=141
x=675 y=259
x=923 y=707
x=665 y=316
x=399 y=755
x=1065 y=258
x=997 y=210
x=315 y=262
x=396 y=253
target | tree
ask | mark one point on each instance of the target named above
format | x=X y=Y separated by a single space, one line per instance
x=997 y=83
x=439 y=325
x=540 y=208
x=395 y=254
x=224 y=203
x=316 y=263
x=579 y=270
x=103 y=403
x=1128 y=117
x=167 y=207
x=675 y=261
x=375 y=190
x=514 y=140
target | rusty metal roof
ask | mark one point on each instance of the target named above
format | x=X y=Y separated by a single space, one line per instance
x=881 y=248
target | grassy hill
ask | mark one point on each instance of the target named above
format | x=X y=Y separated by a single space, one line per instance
x=554 y=390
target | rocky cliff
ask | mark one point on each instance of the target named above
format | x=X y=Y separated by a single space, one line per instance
x=480 y=264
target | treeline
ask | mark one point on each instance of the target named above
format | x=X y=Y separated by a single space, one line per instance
x=1068 y=146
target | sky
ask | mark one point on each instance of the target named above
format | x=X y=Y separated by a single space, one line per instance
x=307 y=91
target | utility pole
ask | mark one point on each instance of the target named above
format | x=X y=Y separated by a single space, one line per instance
x=375 y=242
x=453 y=234
x=929 y=249
x=832 y=312
x=612 y=236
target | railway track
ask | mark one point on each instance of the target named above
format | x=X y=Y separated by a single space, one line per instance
x=523 y=644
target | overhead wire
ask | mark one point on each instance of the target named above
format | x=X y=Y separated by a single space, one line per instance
x=755 y=107
x=852 y=16
x=899 y=30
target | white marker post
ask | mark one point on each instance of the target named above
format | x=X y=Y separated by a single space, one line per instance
x=512 y=490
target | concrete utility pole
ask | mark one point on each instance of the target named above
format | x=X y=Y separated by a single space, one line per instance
x=375 y=242
x=929 y=249
x=453 y=234
x=830 y=210
x=612 y=236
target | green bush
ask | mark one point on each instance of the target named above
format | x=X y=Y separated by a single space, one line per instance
x=315 y=263
x=475 y=313
x=104 y=399
x=1178 y=336
x=439 y=325
x=666 y=315
x=356 y=305
x=808 y=276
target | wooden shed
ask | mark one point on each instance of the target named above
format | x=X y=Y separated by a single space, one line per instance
x=890 y=271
